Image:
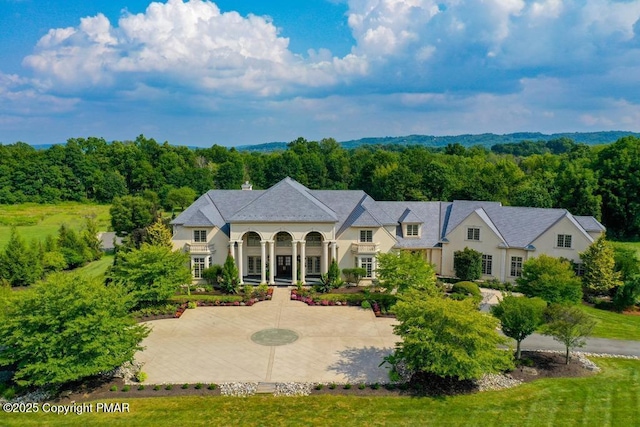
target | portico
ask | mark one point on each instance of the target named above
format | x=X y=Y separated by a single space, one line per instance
x=278 y=254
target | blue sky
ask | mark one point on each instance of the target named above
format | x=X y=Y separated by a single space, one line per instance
x=236 y=72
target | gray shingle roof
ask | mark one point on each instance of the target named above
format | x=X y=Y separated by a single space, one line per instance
x=287 y=201
x=589 y=223
x=290 y=201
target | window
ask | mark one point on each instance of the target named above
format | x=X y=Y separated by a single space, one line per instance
x=473 y=233
x=254 y=265
x=313 y=265
x=578 y=268
x=564 y=240
x=367 y=264
x=200 y=236
x=487 y=264
x=253 y=239
x=516 y=266
x=366 y=236
x=314 y=239
x=283 y=239
x=413 y=230
x=198 y=265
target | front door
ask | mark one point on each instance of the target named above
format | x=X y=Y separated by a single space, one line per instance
x=283 y=266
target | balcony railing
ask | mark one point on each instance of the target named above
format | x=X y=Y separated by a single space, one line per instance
x=200 y=248
x=365 y=248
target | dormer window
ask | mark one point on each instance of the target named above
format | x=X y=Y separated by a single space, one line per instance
x=412 y=230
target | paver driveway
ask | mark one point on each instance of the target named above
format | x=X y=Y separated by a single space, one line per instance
x=214 y=345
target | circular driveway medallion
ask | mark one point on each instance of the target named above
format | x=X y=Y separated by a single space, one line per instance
x=273 y=337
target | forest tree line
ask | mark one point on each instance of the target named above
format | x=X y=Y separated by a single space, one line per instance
x=602 y=181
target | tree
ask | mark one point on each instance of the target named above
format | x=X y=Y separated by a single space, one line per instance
x=551 y=279
x=73 y=247
x=520 y=317
x=158 y=234
x=616 y=167
x=600 y=275
x=17 y=262
x=68 y=328
x=91 y=241
x=468 y=264
x=627 y=295
x=354 y=275
x=568 y=325
x=448 y=338
x=230 y=280
x=129 y=213
x=402 y=270
x=182 y=197
x=151 y=274
x=627 y=262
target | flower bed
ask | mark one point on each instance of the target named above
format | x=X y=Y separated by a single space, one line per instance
x=380 y=303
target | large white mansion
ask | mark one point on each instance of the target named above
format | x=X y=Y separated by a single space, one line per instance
x=289 y=231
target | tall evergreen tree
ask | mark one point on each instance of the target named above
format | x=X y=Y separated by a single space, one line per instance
x=600 y=275
x=18 y=263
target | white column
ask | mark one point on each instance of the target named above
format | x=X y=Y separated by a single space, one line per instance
x=503 y=266
x=294 y=262
x=263 y=262
x=232 y=249
x=272 y=262
x=325 y=257
x=334 y=253
x=303 y=261
x=239 y=261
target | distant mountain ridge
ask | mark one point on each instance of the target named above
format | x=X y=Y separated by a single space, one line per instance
x=467 y=140
x=484 y=139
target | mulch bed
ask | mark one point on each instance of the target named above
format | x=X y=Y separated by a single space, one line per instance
x=548 y=365
x=544 y=365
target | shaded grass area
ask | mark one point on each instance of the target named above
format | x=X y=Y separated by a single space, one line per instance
x=96 y=268
x=36 y=221
x=610 y=398
x=614 y=325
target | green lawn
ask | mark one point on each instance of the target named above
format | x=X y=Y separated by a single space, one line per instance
x=614 y=325
x=96 y=268
x=35 y=221
x=608 y=399
x=629 y=245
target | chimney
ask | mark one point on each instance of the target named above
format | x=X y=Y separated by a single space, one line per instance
x=246 y=186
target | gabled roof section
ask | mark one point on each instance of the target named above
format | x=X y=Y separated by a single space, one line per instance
x=202 y=213
x=425 y=213
x=589 y=223
x=459 y=210
x=287 y=201
x=410 y=217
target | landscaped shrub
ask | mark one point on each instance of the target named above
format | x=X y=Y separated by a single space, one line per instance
x=168 y=387
x=126 y=388
x=466 y=288
x=332 y=386
x=192 y=304
x=141 y=377
x=198 y=386
x=375 y=386
x=347 y=386
x=114 y=388
x=365 y=304
x=156 y=387
x=362 y=387
x=181 y=299
x=185 y=386
x=141 y=387
x=319 y=386
x=498 y=285
x=212 y=386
